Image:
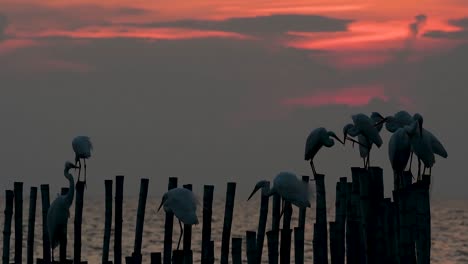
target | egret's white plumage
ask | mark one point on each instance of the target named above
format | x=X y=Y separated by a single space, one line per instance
x=58 y=213
x=421 y=145
x=365 y=145
x=318 y=138
x=183 y=204
x=82 y=147
x=399 y=149
x=398 y=120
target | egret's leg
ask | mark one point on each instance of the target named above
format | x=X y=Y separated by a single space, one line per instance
x=424 y=172
x=313 y=167
x=181 y=233
x=419 y=168
x=84 y=160
x=410 y=161
x=430 y=171
x=364 y=160
x=368 y=159
x=282 y=208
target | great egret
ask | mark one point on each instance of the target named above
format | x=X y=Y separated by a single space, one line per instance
x=58 y=213
x=364 y=144
x=183 y=204
x=399 y=148
x=317 y=138
x=82 y=147
x=288 y=187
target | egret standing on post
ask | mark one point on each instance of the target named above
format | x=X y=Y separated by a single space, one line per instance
x=82 y=147
x=317 y=138
x=183 y=204
x=399 y=149
x=59 y=211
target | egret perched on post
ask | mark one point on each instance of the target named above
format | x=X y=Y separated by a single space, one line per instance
x=365 y=126
x=183 y=204
x=58 y=213
x=288 y=187
x=399 y=148
x=82 y=147
x=317 y=138
x=399 y=120
x=364 y=144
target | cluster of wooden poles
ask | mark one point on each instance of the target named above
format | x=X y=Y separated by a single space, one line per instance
x=368 y=228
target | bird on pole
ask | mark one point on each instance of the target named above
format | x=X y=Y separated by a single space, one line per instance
x=318 y=138
x=59 y=211
x=183 y=204
x=399 y=148
x=82 y=147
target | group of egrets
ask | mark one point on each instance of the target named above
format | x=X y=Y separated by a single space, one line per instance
x=408 y=137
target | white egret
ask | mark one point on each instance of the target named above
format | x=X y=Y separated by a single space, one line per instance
x=364 y=144
x=317 y=138
x=82 y=147
x=289 y=187
x=59 y=211
x=399 y=148
x=183 y=204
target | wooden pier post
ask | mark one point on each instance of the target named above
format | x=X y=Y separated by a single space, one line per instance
x=299 y=245
x=45 y=233
x=423 y=242
x=262 y=221
x=64 y=241
x=320 y=239
x=119 y=184
x=374 y=224
x=9 y=196
x=236 y=250
x=169 y=221
x=155 y=258
x=364 y=202
x=276 y=211
x=80 y=186
x=187 y=243
x=18 y=189
x=333 y=243
x=340 y=219
x=251 y=247
x=206 y=229
x=211 y=257
x=285 y=243
x=302 y=211
x=228 y=214
x=31 y=225
x=107 y=221
x=136 y=255
x=272 y=238
x=178 y=257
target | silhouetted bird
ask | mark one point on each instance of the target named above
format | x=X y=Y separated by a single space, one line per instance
x=317 y=138
x=82 y=147
x=399 y=148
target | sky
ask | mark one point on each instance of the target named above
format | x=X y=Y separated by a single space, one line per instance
x=217 y=91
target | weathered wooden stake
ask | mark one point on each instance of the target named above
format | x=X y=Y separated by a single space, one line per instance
x=206 y=229
x=285 y=243
x=187 y=243
x=136 y=255
x=275 y=222
x=236 y=250
x=272 y=237
x=333 y=243
x=108 y=221
x=302 y=211
x=251 y=247
x=80 y=186
x=299 y=245
x=18 y=189
x=364 y=190
x=352 y=242
x=31 y=225
x=169 y=221
x=45 y=233
x=64 y=241
x=156 y=258
x=262 y=221
x=119 y=184
x=9 y=196
x=340 y=220
x=320 y=239
x=228 y=214
x=178 y=257
x=211 y=257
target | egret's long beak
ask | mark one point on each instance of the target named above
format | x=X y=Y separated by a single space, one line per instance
x=162 y=202
x=380 y=122
x=253 y=192
x=344 y=138
x=342 y=142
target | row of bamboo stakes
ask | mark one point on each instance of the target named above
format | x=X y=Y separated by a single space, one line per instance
x=368 y=228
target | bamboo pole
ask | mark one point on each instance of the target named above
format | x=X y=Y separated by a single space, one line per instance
x=374 y=224
x=168 y=225
x=64 y=240
x=18 y=189
x=251 y=247
x=119 y=184
x=236 y=250
x=45 y=235
x=320 y=239
x=228 y=214
x=299 y=245
x=136 y=255
x=206 y=229
x=333 y=243
x=31 y=225
x=364 y=202
x=178 y=257
x=302 y=211
x=211 y=257
x=107 y=222
x=78 y=220
x=9 y=196
x=262 y=221
x=187 y=243
x=340 y=219
x=285 y=243
x=155 y=258
x=275 y=225
x=272 y=237
x=351 y=227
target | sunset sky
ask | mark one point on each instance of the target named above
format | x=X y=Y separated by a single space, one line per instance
x=216 y=91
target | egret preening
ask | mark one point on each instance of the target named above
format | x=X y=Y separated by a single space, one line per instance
x=82 y=147
x=317 y=138
x=366 y=127
x=364 y=144
x=288 y=187
x=398 y=120
x=399 y=148
x=183 y=204
x=59 y=211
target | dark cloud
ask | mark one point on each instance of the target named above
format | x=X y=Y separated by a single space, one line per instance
x=460 y=34
x=274 y=24
x=3 y=26
x=416 y=26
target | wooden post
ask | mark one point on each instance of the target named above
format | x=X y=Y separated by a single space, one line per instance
x=31 y=225
x=178 y=257
x=423 y=242
x=364 y=202
x=320 y=239
x=108 y=221
x=211 y=257
x=351 y=227
x=374 y=224
x=187 y=243
x=9 y=196
x=136 y=256
x=45 y=233
x=272 y=237
x=262 y=221
x=64 y=241
x=119 y=184
x=275 y=222
x=169 y=221
x=333 y=243
x=236 y=250
x=206 y=229
x=228 y=213
x=251 y=247
x=285 y=243
x=18 y=189
x=78 y=220
x=299 y=245
x=156 y=258
x=340 y=220
x=302 y=211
